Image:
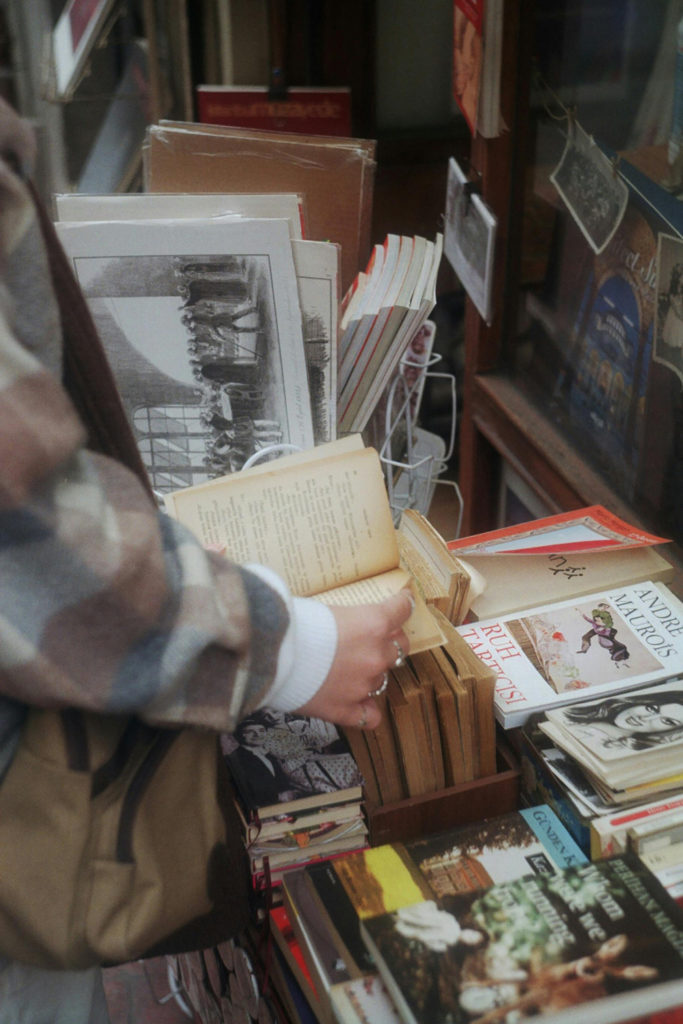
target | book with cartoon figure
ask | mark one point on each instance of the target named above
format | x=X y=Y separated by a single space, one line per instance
x=562 y=652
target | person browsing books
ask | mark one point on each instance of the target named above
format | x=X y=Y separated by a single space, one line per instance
x=109 y=605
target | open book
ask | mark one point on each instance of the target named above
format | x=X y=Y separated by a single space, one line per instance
x=320 y=518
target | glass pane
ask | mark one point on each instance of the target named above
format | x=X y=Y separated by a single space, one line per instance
x=599 y=341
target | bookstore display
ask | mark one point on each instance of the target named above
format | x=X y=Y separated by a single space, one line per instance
x=576 y=383
x=529 y=733
x=508 y=842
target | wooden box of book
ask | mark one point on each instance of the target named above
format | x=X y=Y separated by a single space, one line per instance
x=455 y=805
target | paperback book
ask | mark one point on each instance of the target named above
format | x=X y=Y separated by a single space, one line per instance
x=629 y=740
x=597 y=943
x=560 y=653
x=560 y=556
x=284 y=762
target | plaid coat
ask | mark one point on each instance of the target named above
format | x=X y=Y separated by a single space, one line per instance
x=106 y=603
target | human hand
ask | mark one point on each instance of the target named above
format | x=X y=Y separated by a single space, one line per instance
x=366 y=649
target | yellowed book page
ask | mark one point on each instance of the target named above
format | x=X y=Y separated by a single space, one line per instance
x=348 y=443
x=319 y=524
x=422 y=630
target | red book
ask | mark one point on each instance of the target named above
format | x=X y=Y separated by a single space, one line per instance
x=306 y=110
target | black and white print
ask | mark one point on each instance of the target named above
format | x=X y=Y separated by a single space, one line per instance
x=201 y=324
x=591 y=187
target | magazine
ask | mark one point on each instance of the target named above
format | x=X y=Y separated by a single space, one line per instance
x=201 y=323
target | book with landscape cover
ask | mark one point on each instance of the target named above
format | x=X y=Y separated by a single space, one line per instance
x=596 y=943
x=316 y=266
x=567 y=651
x=321 y=518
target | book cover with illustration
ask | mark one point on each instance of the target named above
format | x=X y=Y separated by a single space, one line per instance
x=628 y=739
x=560 y=653
x=603 y=940
x=381 y=879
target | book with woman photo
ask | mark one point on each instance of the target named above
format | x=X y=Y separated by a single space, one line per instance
x=630 y=742
x=280 y=758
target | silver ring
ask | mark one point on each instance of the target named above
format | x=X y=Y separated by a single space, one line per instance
x=381 y=688
x=400 y=654
x=364 y=718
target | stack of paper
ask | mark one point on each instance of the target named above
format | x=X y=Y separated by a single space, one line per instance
x=388 y=304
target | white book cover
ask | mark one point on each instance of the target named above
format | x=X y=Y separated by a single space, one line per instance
x=573 y=650
x=201 y=323
x=627 y=738
x=169 y=205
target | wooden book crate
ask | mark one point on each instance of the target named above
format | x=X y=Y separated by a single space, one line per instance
x=458 y=805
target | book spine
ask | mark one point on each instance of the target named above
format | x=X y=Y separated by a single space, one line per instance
x=550 y=831
x=539 y=786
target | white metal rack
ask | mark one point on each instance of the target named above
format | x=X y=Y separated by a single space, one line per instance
x=413 y=474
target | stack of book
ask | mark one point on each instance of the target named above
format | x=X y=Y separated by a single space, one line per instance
x=298 y=792
x=325 y=904
x=588 y=682
x=612 y=769
x=381 y=313
x=437 y=728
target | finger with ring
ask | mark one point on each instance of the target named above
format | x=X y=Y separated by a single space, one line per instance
x=381 y=688
x=400 y=654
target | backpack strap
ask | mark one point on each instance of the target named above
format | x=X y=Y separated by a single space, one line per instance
x=87 y=375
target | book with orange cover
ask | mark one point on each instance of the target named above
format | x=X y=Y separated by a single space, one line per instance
x=335 y=175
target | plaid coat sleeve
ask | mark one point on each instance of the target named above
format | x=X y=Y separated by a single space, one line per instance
x=104 y=602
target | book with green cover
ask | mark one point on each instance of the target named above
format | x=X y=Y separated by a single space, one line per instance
x=598 y=943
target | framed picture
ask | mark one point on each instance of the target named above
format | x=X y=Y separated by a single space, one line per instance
x=469 y=239
x=73 y=38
